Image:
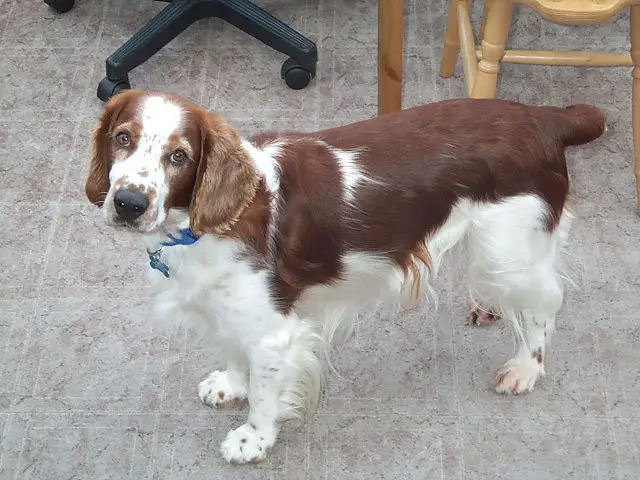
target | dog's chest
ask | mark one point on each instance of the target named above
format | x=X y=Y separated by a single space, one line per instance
x=212 y=280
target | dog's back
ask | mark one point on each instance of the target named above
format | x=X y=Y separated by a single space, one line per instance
x=427 y=158
x=474 y=147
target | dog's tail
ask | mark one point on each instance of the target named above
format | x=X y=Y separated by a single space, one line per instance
x=580 y=124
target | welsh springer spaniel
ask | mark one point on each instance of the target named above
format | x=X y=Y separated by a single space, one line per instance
x=278 y=240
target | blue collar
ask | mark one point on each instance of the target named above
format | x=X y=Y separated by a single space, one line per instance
x=186 y=237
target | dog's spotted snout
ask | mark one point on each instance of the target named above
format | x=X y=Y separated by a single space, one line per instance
x=130 y=204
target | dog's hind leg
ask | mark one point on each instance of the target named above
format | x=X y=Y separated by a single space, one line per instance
x=534 y=325
x=513 y=267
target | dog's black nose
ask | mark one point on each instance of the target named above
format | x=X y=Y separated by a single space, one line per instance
x=130 y=205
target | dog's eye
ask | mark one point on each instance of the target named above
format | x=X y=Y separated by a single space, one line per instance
x=123 y=139
x=178 y=157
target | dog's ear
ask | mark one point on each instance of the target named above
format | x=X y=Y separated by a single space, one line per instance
x=97 y=183
x=226 y=180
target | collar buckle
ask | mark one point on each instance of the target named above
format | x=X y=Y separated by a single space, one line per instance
x=156 y=263
x=186 y=237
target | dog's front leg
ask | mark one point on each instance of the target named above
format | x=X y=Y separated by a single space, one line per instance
x=268 y=373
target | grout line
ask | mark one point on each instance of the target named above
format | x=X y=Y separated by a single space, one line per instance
x=14 y=314
x=608 y=416
x=24 y=440
x=133 y=450
x=74 y=150
x=216 y=91
x=458 y=416
x=90 y=412
x=6 y=429
x=98 y=39
x=151 y=467
x=9 y=15
x=205 y=68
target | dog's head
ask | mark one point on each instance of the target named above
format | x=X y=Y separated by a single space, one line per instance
x=153 y=153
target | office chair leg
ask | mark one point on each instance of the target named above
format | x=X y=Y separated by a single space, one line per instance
x=297 y=71
x=155 y=34
x=300 y=68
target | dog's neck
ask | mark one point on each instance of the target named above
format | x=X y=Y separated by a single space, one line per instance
x=175 y=231
x=176 y=220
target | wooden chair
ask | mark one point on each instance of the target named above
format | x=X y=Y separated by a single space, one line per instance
x=481 y=66
x=390 y=38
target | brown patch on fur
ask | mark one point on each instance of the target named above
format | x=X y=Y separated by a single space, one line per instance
x=135 y=188
x=119 y=108
x=478 y=316
x=263 y=139
x=187 y=140
x=152 y=193
x=537 y=354
x=515 y=387
x=310 y=225
x=133 y=128
x=181 y=183
x=182 y=178
x=226 y=180
x=121 y=182
x=412 y=271
x=251 y=227
x=500 y=376
x=310 y=236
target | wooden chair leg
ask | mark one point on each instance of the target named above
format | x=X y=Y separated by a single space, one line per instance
x=495 y=36
x=485 y=11
x=451 y=42
x=390 y=37
x=635 y=96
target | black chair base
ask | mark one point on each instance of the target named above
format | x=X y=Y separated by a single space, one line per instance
x=297 y=71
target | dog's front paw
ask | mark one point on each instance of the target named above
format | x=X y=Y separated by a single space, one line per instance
x=221 y=389
x=517 y=376
x=246 y=444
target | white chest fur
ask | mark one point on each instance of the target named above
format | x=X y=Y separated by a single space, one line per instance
x=211 y=285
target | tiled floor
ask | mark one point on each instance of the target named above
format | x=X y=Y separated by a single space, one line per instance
x=90 y=390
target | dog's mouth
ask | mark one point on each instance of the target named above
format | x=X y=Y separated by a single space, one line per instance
x=136 y=226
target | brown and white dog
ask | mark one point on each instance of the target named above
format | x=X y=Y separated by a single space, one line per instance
x=276 y=240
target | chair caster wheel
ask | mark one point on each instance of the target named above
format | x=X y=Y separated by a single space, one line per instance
x=61 y=6
x=295 y=75
x=108 y=88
